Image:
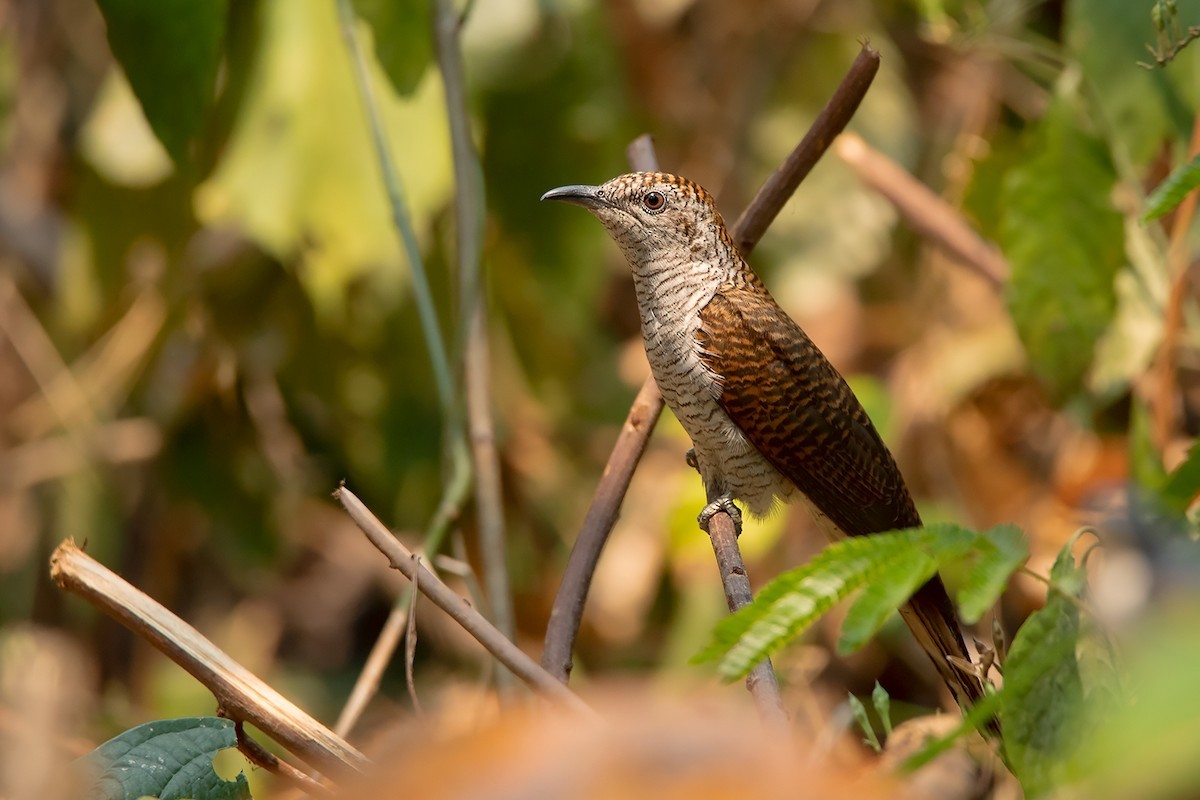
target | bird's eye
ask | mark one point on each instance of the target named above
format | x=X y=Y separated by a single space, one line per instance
x=654 y=201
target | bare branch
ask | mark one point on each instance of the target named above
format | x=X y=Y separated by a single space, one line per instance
x=597 y=524
x=761 y=682
x=380 y=656
x=258 y=755
x=459 y=609
x=410 y=636
x=241 y=695
x=923 y=211
x=834 y=117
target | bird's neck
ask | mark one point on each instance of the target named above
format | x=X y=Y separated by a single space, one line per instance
x=672 y=291
x=677 y=283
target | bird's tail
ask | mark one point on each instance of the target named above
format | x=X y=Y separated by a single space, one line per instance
x=930 y=615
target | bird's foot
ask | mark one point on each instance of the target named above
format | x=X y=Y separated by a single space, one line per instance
x=690 y=458
x=717 y=506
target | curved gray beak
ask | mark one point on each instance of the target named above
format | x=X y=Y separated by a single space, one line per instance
x=578 y=194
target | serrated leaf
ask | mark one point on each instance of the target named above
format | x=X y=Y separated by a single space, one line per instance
x=402 y=33
x=1170 y=192
x=170 y=51
x=792 y=602
x=1065 y=244
x=1042 y=700
x=169 y=759
x=1002 y=550
x=886 y=592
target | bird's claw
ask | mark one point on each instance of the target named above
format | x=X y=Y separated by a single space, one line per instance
x=690 y=458
x=725 y=504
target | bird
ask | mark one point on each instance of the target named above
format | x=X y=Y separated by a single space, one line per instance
x=769 y=417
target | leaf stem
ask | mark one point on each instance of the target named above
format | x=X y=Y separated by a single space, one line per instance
x=426 y=309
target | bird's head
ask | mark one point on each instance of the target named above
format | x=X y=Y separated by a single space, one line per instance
x=653 y=216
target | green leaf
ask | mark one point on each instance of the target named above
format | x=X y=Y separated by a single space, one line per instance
x=792 y=602
x=1065 y=244
x=789 y=604
x=1170 y=192
x=1042 y=700
x=170 y=51
x=301 y=179
x=1001 y=552
x=168 y=759
x=1145 y=745
x=886 y=592
x=403 y=38
x=864 y=722
x=883 y=706
x=1183 y=483
x=1145 y=466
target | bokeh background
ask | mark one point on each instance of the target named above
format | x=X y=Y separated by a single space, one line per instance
x=195 y=351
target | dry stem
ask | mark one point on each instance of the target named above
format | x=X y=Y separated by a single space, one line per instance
x=241 y=695
x=459 y=609
x=925 y=212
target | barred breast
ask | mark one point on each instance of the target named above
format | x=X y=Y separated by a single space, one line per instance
x=670 y=300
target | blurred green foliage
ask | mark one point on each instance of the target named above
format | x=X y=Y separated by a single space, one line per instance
x=193 y=222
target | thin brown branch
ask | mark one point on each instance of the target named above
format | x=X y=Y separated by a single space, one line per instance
x=929 y=215
x=92 y=385
x=641 y=155
x=262 y=758
x=834 y=117
x=56 y=456
x=458 y=608
x=37 y=351
x=601 y=515
x=1165 y=400
x=410 y=636
x=369 y=679
x=761 y=682
x=240 y=694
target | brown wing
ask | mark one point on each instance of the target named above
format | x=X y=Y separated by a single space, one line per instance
x=798 y=411
x=800 y=414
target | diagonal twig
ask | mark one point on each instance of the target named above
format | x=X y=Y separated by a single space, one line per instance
x=834 y=117
x=631 y=443
x=459 y=609
x=260 y=757
x=924 y=211
x=241 y=695
x=761 y=682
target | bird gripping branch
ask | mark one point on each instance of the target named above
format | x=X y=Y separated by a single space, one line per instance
x=769 y=417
